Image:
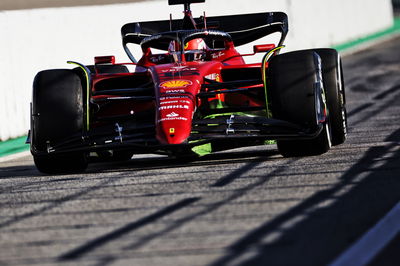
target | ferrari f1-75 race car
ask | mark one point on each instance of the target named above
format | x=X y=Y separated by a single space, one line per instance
x=191 y=92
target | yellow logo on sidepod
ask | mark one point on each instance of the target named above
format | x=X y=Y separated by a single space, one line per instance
x=172 y=84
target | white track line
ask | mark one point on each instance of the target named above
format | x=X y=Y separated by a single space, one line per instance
x=369 y=245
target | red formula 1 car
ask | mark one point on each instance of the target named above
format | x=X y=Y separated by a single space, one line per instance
x=191 y=92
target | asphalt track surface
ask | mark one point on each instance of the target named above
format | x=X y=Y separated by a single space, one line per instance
x=241 y=207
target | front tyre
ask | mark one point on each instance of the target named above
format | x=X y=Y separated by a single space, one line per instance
x=317 y=146
x=61 y=164
x=296 y=93
x=57 y=114
x=335 y=93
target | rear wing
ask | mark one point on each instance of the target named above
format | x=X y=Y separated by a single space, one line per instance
x=242 y=28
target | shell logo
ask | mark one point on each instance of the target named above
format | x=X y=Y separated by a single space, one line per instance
x=172 y=84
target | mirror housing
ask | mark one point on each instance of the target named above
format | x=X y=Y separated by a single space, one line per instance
x=98 y=60
x=263 y=48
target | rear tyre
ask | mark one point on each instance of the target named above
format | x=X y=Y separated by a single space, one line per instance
x=335 y=93
x=295 y=88
x=57 y=114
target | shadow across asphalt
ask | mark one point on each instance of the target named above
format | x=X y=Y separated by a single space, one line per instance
x=120 y=232
x=164 y=162
x=27 y=171
x=98 y=242
x=330 y=220
x=30 y=172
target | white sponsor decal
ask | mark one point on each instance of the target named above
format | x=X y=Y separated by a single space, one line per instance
x=168 y=102
x=173 y=97
x=217 y=55
x=172 y=118
x=157 y=59
x=175 y=91
x=179 y=68
x=174 y=107
x=173 y=114
x=174 y=102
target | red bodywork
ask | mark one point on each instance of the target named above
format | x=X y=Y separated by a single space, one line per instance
x=190 y=93
x=172 y=101
x=176 y=86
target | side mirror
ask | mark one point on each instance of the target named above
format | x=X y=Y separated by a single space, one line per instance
x=263 y=48
x=98 y=60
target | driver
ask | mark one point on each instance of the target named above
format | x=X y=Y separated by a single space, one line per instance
x=194 y=50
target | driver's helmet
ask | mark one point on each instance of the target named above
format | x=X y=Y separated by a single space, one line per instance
x=196 y=44
x=195 y=50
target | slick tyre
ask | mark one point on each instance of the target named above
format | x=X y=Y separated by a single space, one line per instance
x=335 y=93
x=61 y=164
x=293 y=78
x=57 y=114
x=317 y=146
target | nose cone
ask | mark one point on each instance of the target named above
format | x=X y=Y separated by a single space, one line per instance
x=174 y=118
x=177 y=87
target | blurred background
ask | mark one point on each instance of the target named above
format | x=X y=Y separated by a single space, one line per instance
x=44 y=34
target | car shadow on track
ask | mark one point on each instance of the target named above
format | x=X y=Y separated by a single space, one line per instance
x=330 y=220
x=144 y=163
x=31 y=176
x=163 y=162
x=27 y=171
x=252 y=159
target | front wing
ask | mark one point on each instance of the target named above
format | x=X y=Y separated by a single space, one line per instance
x=140 y=138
